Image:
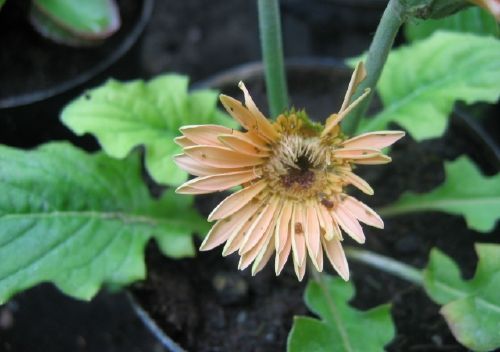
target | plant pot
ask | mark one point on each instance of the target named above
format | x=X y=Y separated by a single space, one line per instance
x=39 y=76
x=206 y=304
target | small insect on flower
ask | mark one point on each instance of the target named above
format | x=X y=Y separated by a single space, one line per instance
x=293 y=174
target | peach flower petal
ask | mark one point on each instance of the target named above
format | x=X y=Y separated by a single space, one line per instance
x=351 y=153
x=362 y=212
x=357 y=77
x=183 y=142
x=223 y=229
x=263 y=258
x=221 y=182
x=282 y=256
x=349 y=224
x=248 y=257
x=248 y=120
x=374 y=140
x=358 y=182
x=259 y=226
x=222 y=157
x=336 y=256
x=236 y=201
x=265 y=127
x=312 y=232
x=243 y=145
x=205 y=134
x=375 y=160
x=298 y=239
x=283 y=226
x=195 y=168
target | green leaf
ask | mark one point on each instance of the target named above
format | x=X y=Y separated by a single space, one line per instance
x=421 y=82
x=471 y=20
x=471 y=308
x=2 y=2
x=342 y=328
x=89 y=19
x=81 y=220
x=125 y=115
x=465 y=191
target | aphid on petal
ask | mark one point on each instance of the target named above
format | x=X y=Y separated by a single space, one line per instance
x=294 y=176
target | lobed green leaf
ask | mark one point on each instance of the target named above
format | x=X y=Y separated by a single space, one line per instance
x=471 y=308
x=421 y=82
x=342 y=328
x=81 y=221
x=123 y=116
x=465 y=191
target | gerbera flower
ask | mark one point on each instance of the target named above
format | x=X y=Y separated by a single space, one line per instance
x=294 y=175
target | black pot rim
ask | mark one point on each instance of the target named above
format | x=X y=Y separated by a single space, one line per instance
x=242 y=72
x=122 y=49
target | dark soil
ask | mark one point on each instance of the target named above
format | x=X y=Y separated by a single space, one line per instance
x=206 y=304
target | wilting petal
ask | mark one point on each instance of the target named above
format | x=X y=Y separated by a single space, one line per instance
x=220 y=182
x=312 y=233
x=362 y=212
x=335 y=119
x=205 y=134
x=236 y=201
x=243 y=145
x=260 y=226
x=265 y=127
x=357 y=182
x=183 y=141
x=223 y=229
x=374 y=160
x=357 y=77
x=375 y=140
x=221 y=157
x=196 y=168
x=248 y=120
x=349 y=224
x=336 y=256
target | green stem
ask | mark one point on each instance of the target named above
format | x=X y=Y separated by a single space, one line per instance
x=272 y=53
x=391 y=21
x=386 y=264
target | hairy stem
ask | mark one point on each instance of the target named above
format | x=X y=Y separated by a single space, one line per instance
x=386 y=264
x=272 y=53
x=391 y=21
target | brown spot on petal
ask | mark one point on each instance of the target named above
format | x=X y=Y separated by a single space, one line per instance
x=298 y=228
x=327 y=203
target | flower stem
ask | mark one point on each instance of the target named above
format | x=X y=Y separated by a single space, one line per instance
x=272 y=52
x=392 y=19
x=386 y=264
